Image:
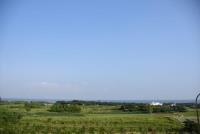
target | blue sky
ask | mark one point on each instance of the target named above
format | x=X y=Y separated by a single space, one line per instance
x=100 y=49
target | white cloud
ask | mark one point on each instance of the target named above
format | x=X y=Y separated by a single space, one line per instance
x=49 y=84
x=67 y=86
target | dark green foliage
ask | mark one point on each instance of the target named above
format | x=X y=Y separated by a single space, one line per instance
x=27 y=106
x=179 y=108
x=122 y=130
x=49 y=119
x=82 y=102
x=33 y=104
x=147 y=108
x=3 y=102
x=83 y=130
x=168 y=109
x=135 y=107
x=191 y=126
x=91 y=130
x=101 y=130
x=63 y=107
x=8 y=120
x=9 y=117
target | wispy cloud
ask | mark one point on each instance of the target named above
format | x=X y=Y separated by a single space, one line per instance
x=49 y=84
x=68 y=86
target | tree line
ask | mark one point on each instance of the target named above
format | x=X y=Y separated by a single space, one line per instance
x=147 y=108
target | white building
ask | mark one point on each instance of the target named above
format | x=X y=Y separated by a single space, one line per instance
x=156 y=104
x=173 y=105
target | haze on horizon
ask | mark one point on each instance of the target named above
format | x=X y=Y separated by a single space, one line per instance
x=100 y=49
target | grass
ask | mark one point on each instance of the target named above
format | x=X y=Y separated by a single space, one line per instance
x=95 y=119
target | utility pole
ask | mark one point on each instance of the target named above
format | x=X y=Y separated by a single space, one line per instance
x=197 y=113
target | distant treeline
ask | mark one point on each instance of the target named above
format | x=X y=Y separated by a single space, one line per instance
x=147 y=108
x=23 y=102
x=33 y=104
x=81 y=102
x=75 y=106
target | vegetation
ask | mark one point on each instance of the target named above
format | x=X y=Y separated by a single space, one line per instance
x=147 y=108
x=8 y=120
x=190 y=126
x=79 y=117
x=65 y=107
x=9 y=117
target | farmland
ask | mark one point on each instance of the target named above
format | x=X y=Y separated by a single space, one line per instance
x=92 y=119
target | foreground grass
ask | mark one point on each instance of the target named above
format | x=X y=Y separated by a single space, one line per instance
x=94 y=119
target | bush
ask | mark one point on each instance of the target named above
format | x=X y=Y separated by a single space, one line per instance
x=190 y=126
x=63 y=107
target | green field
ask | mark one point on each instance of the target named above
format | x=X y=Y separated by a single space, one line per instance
x=92 y=119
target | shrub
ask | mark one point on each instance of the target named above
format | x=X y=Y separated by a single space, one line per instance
x=63 y=107
x=190 y=126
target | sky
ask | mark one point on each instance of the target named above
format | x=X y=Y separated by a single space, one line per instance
x=100 y=50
